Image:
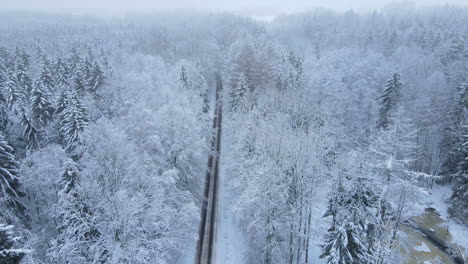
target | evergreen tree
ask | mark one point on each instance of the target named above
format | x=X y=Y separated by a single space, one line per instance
x=85 y=70
x=46 y=78
x=73 y=120
x=73 y=60
x=30 y=133
x=40 y=101
x=61 y=73
x=10 y=187
x=454 y=132
x=8 y=253
x=77 y=227
x=183 y=78
x=345 y=241
x=389 y=99
x=457 y=161
x=82 y=76
x=240 y=94
x=12 y=93
x=105 y=63
x=97 y=78
x=22 y=65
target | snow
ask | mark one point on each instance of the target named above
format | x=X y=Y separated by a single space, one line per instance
x=231 y=242
x=422 y=248
x=437 y=198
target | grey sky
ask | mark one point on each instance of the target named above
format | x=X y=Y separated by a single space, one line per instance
x=253 y=7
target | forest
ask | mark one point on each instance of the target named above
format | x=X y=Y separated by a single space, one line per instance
x=343 y=132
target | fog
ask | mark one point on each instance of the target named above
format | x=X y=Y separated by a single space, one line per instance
x=257 y=7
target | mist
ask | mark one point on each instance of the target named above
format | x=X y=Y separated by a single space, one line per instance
x=258 y=7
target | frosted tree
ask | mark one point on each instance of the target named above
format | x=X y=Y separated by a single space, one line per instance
x=30 y=133
x=240 y=94
x=97 y=78
x=183 y=78
x=10 y=253
x=457 y=161
x=350 y=237
x=454 y=131
x=22 y=65
x=389 y=99
x=73 y=120
x=46 y=77
x=73 y=60
x=76 y=224
x=61 y=72
x=10 y=185
x=200 y=85
x=82 y=75
x=40 y=102
x=13 y=94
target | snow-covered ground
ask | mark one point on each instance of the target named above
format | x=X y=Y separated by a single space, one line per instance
x=437 y=199
x=231 y=246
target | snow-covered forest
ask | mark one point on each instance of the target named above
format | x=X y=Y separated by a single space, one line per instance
x=340 y=131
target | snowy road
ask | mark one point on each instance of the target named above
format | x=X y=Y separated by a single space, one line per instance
x=208 y=224
x=230 y=241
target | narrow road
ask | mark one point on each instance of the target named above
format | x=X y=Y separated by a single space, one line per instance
x=207 y=230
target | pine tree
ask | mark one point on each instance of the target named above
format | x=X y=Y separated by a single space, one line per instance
x=13 y=94
x=343 y=245
x=81 y=79
x=349 y=238
x=454 y=132
x=73 y=60
x=46 y=78
x=240 y=94
x=40 y=101
x=22 y=64
x=458 y=160
x=183 y=78
x=30 y=133
x=201 y=86
x=61 y=73
x=8 y=253
x=77 y=227
x=85 y=70
x=10 y=186
x=389 y=99
x=105 y=63
x=97 y=78
x=73 y=120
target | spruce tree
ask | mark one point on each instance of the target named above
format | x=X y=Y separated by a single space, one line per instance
x=389 y=100
x=12 y=93
x=21 y=66
x=73 y=60
x=61 y=73
x=97 y=78
x=40 y=101
x=46 y=78
x=457 y=161
x=454 y=132
x=8 y=253
x=240 y=94
x=347 y=240
x=183 y=78
x=30 y=133
x=73 y=120
x=77 y=227
x=10 y=186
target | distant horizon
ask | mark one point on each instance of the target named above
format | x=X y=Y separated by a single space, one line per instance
x=124 y=8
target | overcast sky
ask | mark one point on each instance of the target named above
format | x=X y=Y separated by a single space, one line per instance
x=251 y=7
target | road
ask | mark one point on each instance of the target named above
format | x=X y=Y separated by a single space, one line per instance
x=208 y=225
